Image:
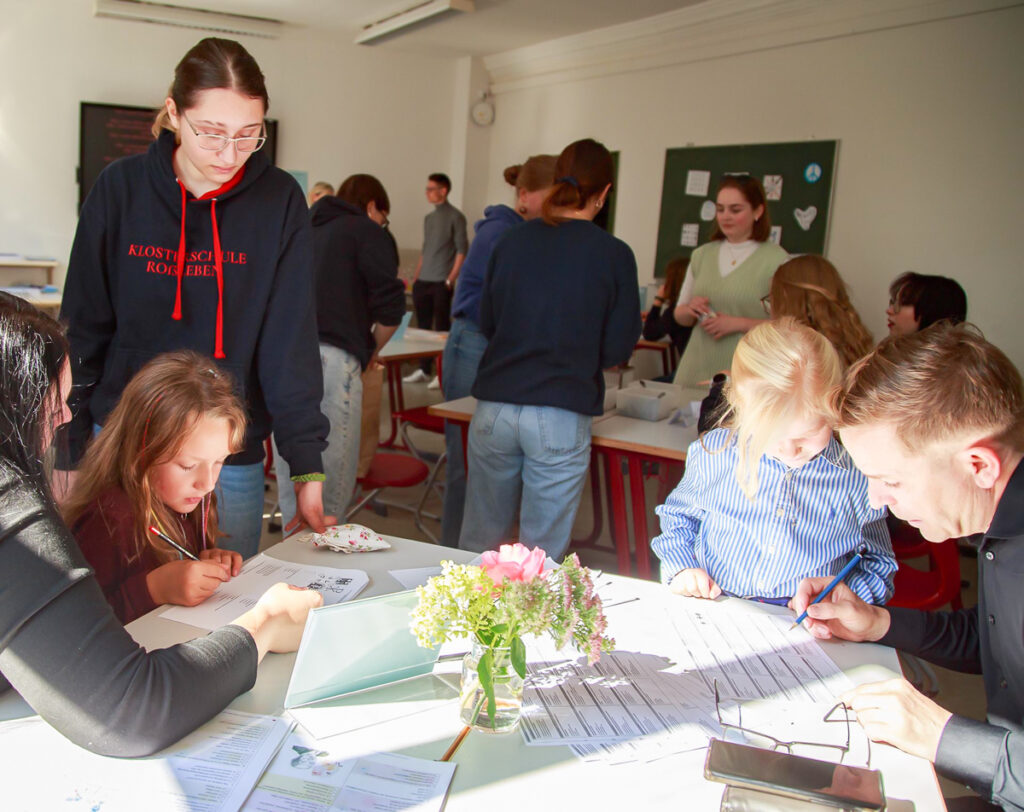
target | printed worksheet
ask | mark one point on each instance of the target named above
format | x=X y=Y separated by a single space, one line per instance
x=622 y=697
x=258 y=574
x=213 y=769
x=754 y=653
x=307 y=777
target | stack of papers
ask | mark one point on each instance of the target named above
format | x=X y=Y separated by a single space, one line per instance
x=221 y=767
x=635 y=707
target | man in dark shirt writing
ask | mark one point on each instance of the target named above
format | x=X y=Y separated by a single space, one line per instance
x=935 y=420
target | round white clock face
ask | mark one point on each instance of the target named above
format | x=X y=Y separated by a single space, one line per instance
x=483 y=113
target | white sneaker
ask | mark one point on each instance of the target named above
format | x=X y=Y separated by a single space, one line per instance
x=434 y=384
x=419 y=376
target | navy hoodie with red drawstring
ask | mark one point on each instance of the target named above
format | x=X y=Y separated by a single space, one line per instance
x=155 y=269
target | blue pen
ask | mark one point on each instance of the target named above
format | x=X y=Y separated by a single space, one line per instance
x=853 y=562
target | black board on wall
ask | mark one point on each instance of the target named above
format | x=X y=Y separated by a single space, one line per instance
x=797 y=174
x=111 y=131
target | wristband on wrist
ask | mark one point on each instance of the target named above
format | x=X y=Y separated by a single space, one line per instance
x=309 y=478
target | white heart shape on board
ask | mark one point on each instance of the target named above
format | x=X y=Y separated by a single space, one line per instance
x=707 y=211
x=805 y=216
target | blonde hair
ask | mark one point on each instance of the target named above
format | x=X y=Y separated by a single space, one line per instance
x=935 y=384
x=781 y=370
x=810 y=289
x=156 y=413
x=323 y=187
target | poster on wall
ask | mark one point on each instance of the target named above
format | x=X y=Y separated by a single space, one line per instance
x=798 y=181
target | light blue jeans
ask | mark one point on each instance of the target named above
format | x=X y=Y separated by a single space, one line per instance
x=240 y=508
x=462 y=354
x=525 y=461
x=342 y=405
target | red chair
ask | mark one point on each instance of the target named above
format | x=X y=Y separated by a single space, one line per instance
x=388 y=470
x=925 y=589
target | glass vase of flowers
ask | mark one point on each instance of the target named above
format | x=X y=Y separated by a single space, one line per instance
x=507 y=596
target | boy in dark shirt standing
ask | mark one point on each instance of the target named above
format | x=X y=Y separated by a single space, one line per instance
x=444 y=249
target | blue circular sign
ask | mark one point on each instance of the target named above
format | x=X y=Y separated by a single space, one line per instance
x=812 y=173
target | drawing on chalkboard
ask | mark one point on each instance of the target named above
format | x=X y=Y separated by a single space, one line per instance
x=691 y=233
x=805 y=217
x=812 y=172
x=773 y=187
x=697 y=182
x=775 y=235
x=707 y=211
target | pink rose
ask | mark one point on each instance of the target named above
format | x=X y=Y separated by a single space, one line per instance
x=513 y=561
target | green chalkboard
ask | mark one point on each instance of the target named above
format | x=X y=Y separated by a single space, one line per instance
x=797 y=174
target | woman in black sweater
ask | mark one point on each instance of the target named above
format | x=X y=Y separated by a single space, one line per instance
x=61 y=647
x=660 y=321
x=560 y=304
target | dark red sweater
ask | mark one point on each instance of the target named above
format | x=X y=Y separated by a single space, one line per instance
x=106 y=534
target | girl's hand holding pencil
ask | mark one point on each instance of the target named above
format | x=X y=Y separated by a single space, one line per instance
x=229 y=558
x=186 y=582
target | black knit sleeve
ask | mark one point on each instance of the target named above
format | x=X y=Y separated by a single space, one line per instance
x=65 y=652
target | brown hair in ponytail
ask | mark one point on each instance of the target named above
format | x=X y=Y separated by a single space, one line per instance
x=212 y=63
x=582 y=171
x=536 y=173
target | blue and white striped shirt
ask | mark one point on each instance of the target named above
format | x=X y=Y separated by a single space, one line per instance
x=803 y=521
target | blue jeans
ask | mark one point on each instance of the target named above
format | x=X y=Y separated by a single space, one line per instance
x=462 y=354
x=342 y=405
x=240 y=508
x=525 y=461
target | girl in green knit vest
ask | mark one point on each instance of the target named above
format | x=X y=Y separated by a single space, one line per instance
x=728 y=277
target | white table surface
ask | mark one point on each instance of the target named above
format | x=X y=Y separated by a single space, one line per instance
x=610 y=430
x=414 y=343
x=498 y=772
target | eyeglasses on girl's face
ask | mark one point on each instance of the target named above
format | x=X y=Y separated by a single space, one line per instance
x=216 y=143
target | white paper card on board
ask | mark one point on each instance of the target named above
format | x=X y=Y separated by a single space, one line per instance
x=775 y=235
x=707 y=211
x=773 y=187
x=690 y=235
x=697 y=182
x=805 y=217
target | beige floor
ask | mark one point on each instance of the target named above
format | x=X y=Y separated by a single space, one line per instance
x=961 y=693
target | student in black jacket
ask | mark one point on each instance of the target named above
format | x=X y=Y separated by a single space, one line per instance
x=560 y=304
x=660 y=321
x=202 y=244
x=359 y=305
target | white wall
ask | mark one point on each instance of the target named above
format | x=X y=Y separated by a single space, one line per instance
x=930 y=120
x=342 y=109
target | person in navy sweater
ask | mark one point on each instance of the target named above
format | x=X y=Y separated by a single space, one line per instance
x=560 y=304
x=466 y=343
x=202 y=244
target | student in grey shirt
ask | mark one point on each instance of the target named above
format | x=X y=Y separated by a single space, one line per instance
x=444 y=248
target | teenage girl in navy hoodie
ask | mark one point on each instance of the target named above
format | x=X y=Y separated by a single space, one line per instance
x=202 y=244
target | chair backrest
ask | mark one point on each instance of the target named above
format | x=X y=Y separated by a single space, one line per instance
x=933 y=588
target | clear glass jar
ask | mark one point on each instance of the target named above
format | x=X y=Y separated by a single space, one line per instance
x=508 y=692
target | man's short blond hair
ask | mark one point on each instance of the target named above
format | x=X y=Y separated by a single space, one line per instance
x=935 y=384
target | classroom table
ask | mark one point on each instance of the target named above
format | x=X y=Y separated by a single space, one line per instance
x=499 y=772
x=414 y=345
x=618 y=440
